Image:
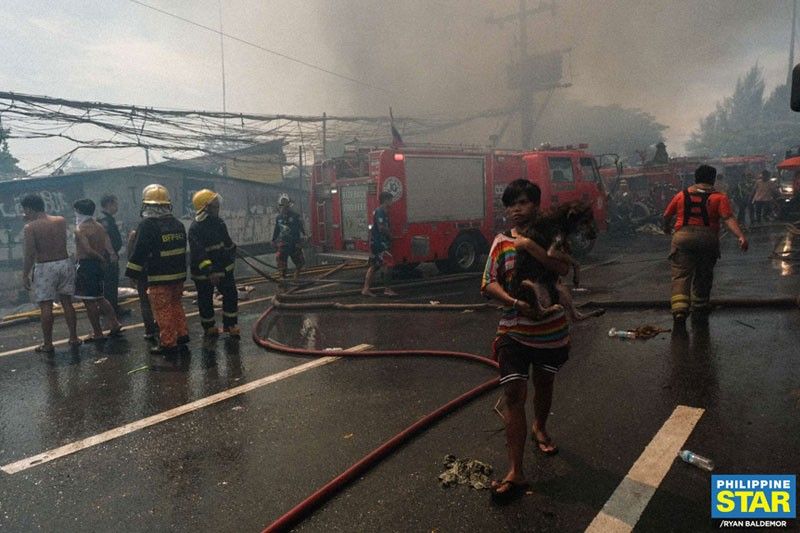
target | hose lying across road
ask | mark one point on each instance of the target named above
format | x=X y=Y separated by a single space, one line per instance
x=325 y=492
x=300 y=302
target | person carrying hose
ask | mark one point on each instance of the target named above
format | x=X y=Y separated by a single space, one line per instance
x=697 y=211
x=161 y=252
x=212 y=261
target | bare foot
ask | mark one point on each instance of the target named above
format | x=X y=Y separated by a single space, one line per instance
x=367 y=292
x=389 y=292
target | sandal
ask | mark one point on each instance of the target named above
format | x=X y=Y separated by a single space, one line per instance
x=514 y=490
x=44 y=349
x=545 y=446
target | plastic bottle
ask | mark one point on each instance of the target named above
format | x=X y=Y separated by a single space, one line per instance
x=697 y=460
x=621 y=333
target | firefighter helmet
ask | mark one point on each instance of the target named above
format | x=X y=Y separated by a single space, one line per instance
x=202 y=198
x=155 y=194
x=284 y=201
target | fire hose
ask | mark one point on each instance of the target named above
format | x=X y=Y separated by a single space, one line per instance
x=324 y=493
x=297 y=302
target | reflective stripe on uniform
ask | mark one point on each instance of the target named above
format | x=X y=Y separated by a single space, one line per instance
x=679 y=302
x=174 y=251
x=230 y=267
x=167 y=277
x=213 y=247
x=203 y=264
x=134 y=266
x=230 y=315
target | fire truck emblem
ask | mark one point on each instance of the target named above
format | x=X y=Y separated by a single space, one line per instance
x=394 y=186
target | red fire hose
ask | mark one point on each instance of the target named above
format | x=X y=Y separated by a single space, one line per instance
x=322 y=494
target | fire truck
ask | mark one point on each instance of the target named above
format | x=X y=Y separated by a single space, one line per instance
x=447 y=200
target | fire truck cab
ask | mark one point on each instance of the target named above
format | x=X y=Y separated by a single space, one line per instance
x=447 y=201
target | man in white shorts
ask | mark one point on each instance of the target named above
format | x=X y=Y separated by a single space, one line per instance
x=53 y=271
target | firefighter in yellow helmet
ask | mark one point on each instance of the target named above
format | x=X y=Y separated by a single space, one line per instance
x=160 y=256
x=212 y=260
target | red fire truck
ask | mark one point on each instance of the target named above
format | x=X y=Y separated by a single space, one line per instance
x=447 y=205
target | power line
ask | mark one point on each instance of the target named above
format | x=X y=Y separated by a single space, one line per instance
x=262 y=48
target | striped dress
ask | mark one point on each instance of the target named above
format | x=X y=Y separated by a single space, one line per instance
x=551 y=332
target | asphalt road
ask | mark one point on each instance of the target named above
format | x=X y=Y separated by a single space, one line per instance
x=241 y=462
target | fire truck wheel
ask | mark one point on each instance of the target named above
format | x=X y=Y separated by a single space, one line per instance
x=464 y=256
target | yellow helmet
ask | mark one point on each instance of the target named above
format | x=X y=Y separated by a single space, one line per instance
x=202 y=198
x=155 y=194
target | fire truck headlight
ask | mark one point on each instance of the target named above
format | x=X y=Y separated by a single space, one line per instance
x=399 y=157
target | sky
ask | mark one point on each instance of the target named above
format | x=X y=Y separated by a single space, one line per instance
x=673 y=59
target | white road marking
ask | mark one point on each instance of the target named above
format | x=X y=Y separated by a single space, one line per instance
x=124 y=328
x=36 y=460
x=625 y=506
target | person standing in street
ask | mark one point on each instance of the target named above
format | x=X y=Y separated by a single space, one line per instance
x=109 y=207
x=380 y=243
x=698 y=211
x=47 y=269
x=288 y=237
x=161 y=252
x=150 y=326
x=93 y=251
x=764 y=196
x=523 y=346
x=742 y=196
x=212 y=259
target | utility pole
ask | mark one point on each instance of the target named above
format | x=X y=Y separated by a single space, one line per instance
x=222 y=62
x=791 y=44
x=526 y=93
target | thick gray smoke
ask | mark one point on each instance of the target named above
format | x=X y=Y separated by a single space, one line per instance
x=672 y=59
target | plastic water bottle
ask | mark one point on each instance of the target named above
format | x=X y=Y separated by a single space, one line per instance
x=621 y=333
x=697 y=460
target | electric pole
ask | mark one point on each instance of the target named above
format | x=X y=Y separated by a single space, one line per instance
x=791 y=44
x=521 y=72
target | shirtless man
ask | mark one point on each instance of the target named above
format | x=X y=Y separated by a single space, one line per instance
x=93 y=250
x=53 y=272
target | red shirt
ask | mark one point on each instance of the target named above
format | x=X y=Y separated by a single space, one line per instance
x=719 y=207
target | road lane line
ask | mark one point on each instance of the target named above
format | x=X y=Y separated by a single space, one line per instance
x=67 y=449
x=124 y=328
x=625 y=506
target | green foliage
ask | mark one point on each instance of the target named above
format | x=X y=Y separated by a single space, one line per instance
x=745 y=123
x=8 y=163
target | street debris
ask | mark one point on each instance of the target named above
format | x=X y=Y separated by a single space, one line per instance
x=648 y=332
x=348 y=436
x=470 y=472
x=744 y=324
x=143 y=367
x=101 y=361
x=435 y=302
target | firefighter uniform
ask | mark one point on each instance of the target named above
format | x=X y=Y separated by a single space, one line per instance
x=213 y=252
x=695 y=246
x=160 y=255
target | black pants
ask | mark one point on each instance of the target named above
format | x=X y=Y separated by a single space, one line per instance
x=150 y=327
x=111 y=284
x=230 y=301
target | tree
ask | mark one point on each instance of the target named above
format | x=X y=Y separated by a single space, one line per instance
x=8 y=163
x=744 y=123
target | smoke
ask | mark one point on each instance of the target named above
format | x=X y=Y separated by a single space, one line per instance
x=672 y=59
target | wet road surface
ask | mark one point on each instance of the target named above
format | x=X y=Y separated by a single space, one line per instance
x=240 y=463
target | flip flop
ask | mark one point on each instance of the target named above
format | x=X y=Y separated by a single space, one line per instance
x=515 y=490
x=542 y=444
x=44 y=349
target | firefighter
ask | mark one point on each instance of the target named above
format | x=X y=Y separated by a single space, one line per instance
x=160 y=251
x=287 y=237
x=212 y=260
x=698 y=211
